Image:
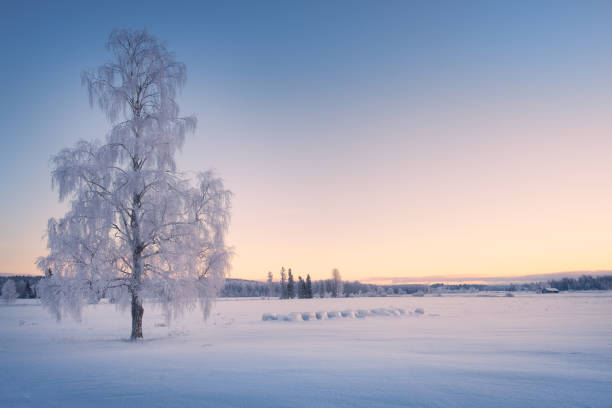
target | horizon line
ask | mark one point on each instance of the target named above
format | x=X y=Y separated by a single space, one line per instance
x=430 y=279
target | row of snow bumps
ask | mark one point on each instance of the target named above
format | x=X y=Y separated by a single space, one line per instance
x=346 y=314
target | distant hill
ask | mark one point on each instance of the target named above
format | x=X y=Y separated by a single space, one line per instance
x=481 y=279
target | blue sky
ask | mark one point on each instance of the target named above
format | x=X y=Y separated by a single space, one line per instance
x=389 y=138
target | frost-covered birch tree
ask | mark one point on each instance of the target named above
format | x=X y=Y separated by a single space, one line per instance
x=137 y=227
x=9 y=292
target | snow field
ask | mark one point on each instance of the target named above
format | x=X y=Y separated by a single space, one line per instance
x=522 y=351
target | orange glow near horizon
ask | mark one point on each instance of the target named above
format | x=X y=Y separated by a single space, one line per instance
x=532 y=201
x=510 y=208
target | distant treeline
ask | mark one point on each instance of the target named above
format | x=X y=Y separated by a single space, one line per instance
x=325 y=288
x=585 y=282
x=320 y=288
x=26 y=287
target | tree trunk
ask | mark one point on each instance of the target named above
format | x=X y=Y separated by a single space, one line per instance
x=137 y=312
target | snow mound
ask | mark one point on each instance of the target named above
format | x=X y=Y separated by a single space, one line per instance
x=379 y=312
x=389 y=311
x=333 y=315
x=295 y=317
x=321 y=315
x=269 y=316
x=347 y=313
x=309 y=316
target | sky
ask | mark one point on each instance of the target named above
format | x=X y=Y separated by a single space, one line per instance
x=382 y=138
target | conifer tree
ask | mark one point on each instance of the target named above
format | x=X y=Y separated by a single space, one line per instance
x=301 y=288
x=283 y=284
x=337 y=285
x=308 y=287
x=29 y=292
x=290 y=285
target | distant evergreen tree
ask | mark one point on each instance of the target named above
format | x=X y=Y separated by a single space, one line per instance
x=301 y=288
x=337 y=286
x=290 y=285
x=270 y=284
x=308 y=287
x=283 y=284
x=28 y=293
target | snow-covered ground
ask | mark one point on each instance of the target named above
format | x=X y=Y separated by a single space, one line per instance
x=467 y=351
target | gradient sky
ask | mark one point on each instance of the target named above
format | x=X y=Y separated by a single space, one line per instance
x=384 y=138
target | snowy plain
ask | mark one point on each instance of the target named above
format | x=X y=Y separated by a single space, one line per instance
x=463 y=351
